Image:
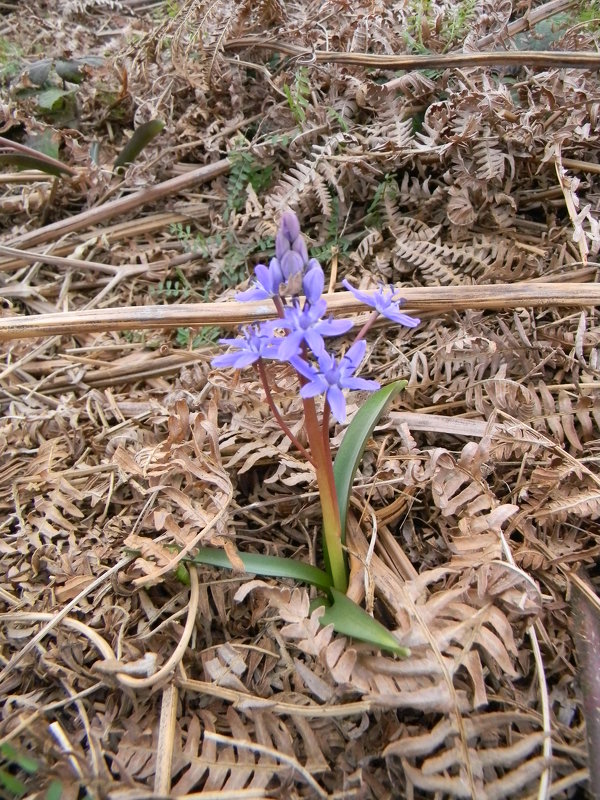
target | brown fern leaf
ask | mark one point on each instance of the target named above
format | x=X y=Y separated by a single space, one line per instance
x=490 y=162
x=584 y=504
x=502 y=752
x=366 y=247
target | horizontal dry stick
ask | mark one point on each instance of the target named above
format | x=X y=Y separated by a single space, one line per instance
x=437 y=299
x=123 y=205
x=111 y=233
x=77 y=263
x=520 y=58
x=29 y=151
x=528 y=21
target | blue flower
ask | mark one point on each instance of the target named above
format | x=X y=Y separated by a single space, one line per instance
x=267 y=284
x=257 y=342
x=284 y=275
x=307 y=325
x=386 y=301
x=332 y=376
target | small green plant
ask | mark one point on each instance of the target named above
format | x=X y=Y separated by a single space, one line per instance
x=245 y=171
x=170 y=289
x=337 y=117
x=298 y=95
x=334 y=243
x=290 y=275
x=19 y=776
x=452 y=28
x=460 y=17
x=589 y=13
x=52 y=84
x=388 y=187
x=185 y=337
x=168 y=10
x=10 y=60
x=194 y=242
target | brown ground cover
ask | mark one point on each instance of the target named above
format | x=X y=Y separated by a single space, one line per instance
x=449 y=148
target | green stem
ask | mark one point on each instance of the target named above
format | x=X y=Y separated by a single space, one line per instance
x=332 y=529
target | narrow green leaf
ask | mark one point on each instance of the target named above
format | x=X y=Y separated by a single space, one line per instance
x=350 y=619
x=142 y=136
x=268 y=566
x=354 y=443
x=22 y=760
x=31 y=162
x=12 y=784
x=52 y=99
x=54 y=791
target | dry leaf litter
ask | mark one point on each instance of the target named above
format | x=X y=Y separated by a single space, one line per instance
x=125 y=672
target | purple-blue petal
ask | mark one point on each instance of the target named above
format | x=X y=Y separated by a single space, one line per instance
x=314 y=340
x=317 y=386
x=400 y=318
x=289 y=226
x=245 y=358
x=237 y=360
x=291 y=264
x=333 y=327
x=313 y=283
x=282 y=245
x=299 y=247
x=224 y=361
x=276 y=273
x=303 y=367
x=356 y=353
x=326 y=361
x=337 y=402
x=290 y=345
x=360 y=384
x=263 y=276
x=253 y=293
x=364 y=297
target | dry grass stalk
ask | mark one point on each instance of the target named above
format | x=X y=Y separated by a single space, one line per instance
x=438 y=300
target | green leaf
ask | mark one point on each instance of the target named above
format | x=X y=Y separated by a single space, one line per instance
x=182 y=575
x=39 y=72
x=22 y=760
x=46 y=142
x=354 y=442
x=30 y=162
x=350 y=619
x=142 y=136
x=69 y=70
x=268 y=566
x=54 y=791
x=52 y=99
x=13 y=784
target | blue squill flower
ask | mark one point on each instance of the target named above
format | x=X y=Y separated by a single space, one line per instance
x=333 y=376
x=307 y=325
x=386 y=301
x=257 y=342
x=268 y=281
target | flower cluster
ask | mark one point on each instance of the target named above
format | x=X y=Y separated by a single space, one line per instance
x=295 y=283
